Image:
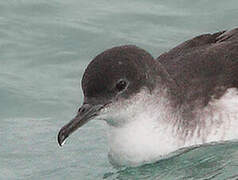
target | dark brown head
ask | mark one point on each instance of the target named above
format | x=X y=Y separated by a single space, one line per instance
x=113 y=75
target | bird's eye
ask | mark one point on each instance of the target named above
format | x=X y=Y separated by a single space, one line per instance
x=121 y=85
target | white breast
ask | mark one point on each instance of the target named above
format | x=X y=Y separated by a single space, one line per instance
x=146 y=130
x=140 y=142
x=221 y=116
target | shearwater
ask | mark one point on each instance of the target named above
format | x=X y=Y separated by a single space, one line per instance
x=187 y=96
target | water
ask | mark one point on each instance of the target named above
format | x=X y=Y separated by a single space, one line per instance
x=45 y=46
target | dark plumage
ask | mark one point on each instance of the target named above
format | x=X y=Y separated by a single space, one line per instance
x=204 y=66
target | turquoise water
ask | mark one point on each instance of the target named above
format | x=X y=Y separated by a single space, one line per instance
x=45 y=46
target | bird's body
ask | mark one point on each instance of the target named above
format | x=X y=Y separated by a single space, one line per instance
x=188 y=96
x=157 y=129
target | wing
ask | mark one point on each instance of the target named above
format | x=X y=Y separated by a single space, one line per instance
x=204 y=67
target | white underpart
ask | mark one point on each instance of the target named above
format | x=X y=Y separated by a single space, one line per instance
x=221 y=116
x=144 y=128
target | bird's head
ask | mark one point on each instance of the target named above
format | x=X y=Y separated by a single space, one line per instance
x=110 y=80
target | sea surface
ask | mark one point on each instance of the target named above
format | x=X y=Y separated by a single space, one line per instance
x=45 y=45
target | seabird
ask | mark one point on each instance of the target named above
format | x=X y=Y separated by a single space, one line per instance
x=187 y=96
